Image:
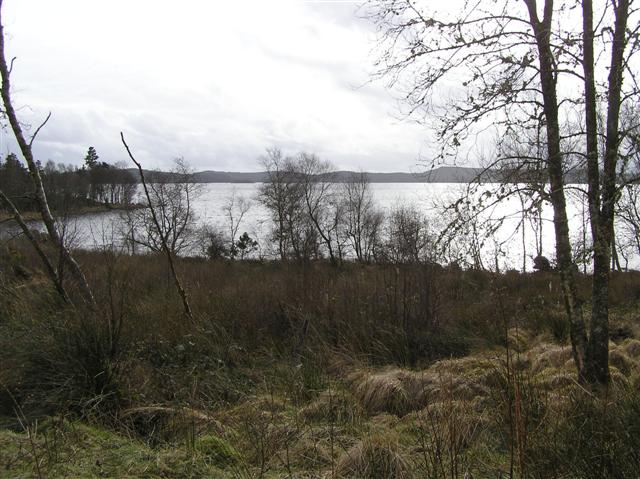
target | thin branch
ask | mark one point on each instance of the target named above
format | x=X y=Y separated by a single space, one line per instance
x=33 y=137
x=51 y=271
x=167 y=251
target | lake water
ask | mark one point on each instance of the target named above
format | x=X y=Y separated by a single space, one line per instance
x=98 y=230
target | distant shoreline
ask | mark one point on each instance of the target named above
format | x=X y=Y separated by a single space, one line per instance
x=443 y=174
x=30 y=216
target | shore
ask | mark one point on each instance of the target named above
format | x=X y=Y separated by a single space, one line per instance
x=29 y=216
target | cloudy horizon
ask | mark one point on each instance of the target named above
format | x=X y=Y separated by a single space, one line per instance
x=216 y=84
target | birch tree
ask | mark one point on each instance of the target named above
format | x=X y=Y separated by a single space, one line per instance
x=498 y=64
x=26 y=148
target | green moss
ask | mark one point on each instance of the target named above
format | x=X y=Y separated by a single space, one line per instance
x=72 y=449
x=219 y=451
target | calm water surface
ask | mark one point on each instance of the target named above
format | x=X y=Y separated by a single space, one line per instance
x=100 y=229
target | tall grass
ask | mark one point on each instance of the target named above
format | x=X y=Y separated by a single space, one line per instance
x=351 y=371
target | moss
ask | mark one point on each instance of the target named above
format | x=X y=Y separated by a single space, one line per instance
x=73 y=449
x=219 y=451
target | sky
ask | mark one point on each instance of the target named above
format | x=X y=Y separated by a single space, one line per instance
x=214 y=82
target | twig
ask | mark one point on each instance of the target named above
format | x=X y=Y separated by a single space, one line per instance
x=33 y=137
x=165 y=248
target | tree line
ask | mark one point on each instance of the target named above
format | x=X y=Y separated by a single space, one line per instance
x=68 y=187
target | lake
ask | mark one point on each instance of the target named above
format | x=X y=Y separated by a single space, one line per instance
x=100 y=229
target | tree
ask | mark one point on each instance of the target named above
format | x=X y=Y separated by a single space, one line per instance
x=91 y=159
x=319 y=200
x=164 y=229
x=283 y=195
x=508 y=61
x=363 y=220
x=15 y=181
x=212 y=242
x=278 y=194
x=169 y=204
x=628 y=214
x=245 y=245
x=234 y=210
x=408 y=237
x=34 y=171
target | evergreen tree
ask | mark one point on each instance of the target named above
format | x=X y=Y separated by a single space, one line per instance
x=91 y=160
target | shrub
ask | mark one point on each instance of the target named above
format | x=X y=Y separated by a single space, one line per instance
x=64 y=361
x=377 y=456
x=590 y=437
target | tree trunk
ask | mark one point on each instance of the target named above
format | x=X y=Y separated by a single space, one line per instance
x=597 y=360
x=564 y=260
x=48 y=266
x=40 y=196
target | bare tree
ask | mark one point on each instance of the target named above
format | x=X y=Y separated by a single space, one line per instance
x=513 y=59
x=39 y=191
x=363 y=220
x=320 y=202
x=235 y=208
x=172 y=196
x=408 y=237
x=160 y=224
x=283 y=194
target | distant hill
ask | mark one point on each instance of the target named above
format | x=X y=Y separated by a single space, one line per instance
x=230 y=177
x=443 y=174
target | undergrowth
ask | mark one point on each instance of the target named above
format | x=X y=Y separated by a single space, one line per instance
x=309 y=371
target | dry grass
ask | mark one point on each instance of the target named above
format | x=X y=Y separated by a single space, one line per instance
x=547 y=355
x=375 y=457
x=308 y=370
x=333 y=406
x=384 y=391
x=400 y=391
x=632 y=348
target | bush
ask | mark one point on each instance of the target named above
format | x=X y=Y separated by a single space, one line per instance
x=590 y=437
x=63 y=361
x=378 y=456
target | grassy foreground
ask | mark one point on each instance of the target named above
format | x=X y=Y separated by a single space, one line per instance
x=308 y=371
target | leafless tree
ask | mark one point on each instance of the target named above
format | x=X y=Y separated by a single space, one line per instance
x=164 y=221
x=408 y=236
x=628 y=221
x=280 y=194
x=171 y=200
x=320 y=200
x=363 y=220
x=283 y=195
x=39 y=191
x=508 y=60
x=235 y=209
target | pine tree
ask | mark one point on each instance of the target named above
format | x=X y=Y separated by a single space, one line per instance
x=91 y=160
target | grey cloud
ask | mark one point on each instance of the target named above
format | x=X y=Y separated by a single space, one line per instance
x=218 y=104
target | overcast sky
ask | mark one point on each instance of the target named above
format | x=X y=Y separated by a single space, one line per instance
x=215 y=82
